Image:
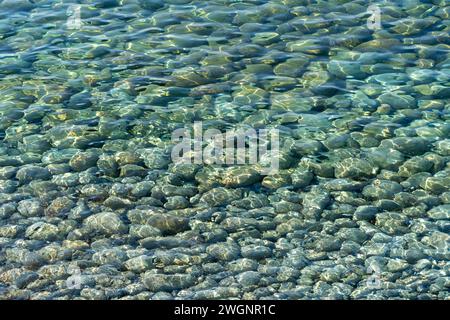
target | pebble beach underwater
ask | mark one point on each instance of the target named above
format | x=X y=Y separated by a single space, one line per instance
x=94 y=206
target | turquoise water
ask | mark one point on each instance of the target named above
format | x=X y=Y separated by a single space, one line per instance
x=92 y=205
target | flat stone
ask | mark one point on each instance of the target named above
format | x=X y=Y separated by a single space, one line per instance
x=167 y=282
x=440 y=212
x=168 y=224
x=29 y=173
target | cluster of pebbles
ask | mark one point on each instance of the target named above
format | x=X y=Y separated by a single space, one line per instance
x=360 y=208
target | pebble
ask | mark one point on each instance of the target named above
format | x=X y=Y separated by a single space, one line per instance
x=167 y=282
x=108 y=223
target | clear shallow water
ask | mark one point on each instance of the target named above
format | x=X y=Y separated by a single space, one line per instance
x=91 y=205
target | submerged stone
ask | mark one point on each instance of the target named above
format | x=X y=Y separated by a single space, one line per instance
x=167 y=282
x=106 y=222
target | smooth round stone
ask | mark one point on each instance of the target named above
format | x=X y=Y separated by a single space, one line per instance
x=353 y=234
x=60 y=206
x=74 y=136
x=92 y=294
x=252 y=202
x=80 y=100
x=167 y=282
x=265 y=38
x=438 y=183
x=168 y=224
x=151 y=5
x=381 y=129
x=210 y=89
x=355 y=168
x=277 y=83
x=292 y=67
x=423 y=75
x=8 y=172
x=256 y=252
x=58 y=168
x=125 y=157
x=415 y=165
x=414 y=255
x=9 y=231
x=344 y=69
x=336 y=141
x=154 y=158
x=240 y=177
x=412 y=146
x=143 y=231
x=116 y=203
x=405 y=199
x=29 y=173
x=308 y=46
x=250 y=95
x=433 y=91
x=84 y=160
x=7 y=186
x=34 y=143
x=382 y=189
x=366 y=213
x=286 y=206
x=412 y=26
x=42 y=231
x=307 y=147
x=397 y=101
x=30 y=208
x=109 y=256
x=248 y=278
x=58 y=156
x=6 y=210
x=378 y=45
x=301 y=178
x=66 y=180
x=391 y=222
x=324 y=169
x=142 y=189
x=443 y=147
x=108 y=165
x=108 y=223
x=226 y=251
x=139 y=264
x=415 y=180
x=258 y=69
x=243 y=265
x=277 y=180
x=290 y=101
x=328 y=244
x=176 y=202
x=25 y=279
x=288 y=117
x=397 y=265
x=133 y=170
x=316 y=81
x=435 y=132
x=220 y=196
